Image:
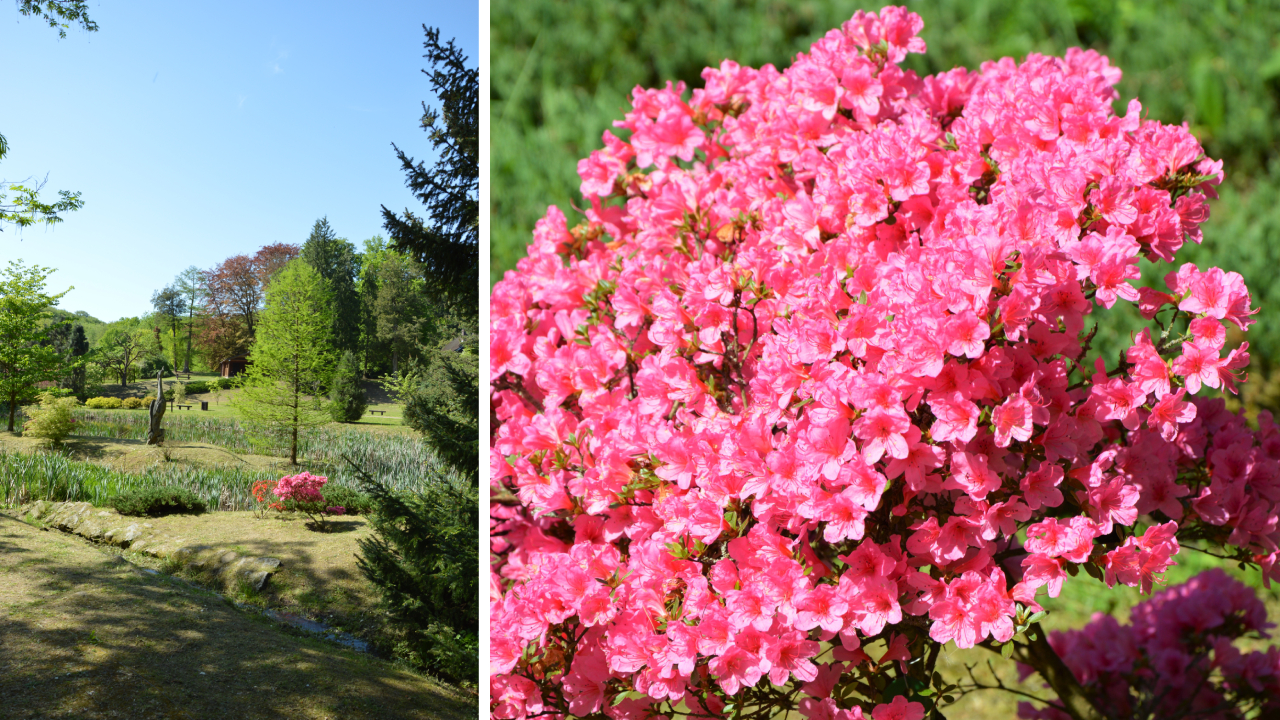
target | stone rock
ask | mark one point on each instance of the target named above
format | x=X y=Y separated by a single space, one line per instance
x=257 y=580
x=219 y=564
x=132 y=533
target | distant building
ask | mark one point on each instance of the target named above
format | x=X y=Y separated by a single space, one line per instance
x=233 y=366
x=455 y=345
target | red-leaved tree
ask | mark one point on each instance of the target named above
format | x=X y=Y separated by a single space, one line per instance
x=234 y=293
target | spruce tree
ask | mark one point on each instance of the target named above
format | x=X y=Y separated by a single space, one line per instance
x=347 y=401
x=423 y=558
x=336 y=260
x=446 y=241
x=79 y=348
x=424 y=554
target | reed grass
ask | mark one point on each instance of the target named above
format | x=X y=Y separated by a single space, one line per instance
x=400 y=462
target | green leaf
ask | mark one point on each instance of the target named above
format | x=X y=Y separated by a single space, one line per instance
x=1007 y=649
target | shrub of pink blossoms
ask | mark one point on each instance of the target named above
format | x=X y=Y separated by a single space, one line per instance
x=811 y=394
x=1176 y=657
x=304 y=489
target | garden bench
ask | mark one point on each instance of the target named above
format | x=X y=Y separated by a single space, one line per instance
x=380 y=412
x=180 y=407
x=182 y=376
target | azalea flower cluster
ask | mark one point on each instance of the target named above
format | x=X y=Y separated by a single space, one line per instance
x=1176 y=655
x=303 y=487
x=815 y=377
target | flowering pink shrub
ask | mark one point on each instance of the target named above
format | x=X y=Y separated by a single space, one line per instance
x=1175 y=655
x=304 y=490
x=303 y=487
x=811 y=391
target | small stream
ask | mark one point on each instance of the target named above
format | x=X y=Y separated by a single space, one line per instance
x=318 y=629
x=346 y=640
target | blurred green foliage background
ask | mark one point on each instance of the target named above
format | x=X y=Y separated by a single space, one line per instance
x=561 y=72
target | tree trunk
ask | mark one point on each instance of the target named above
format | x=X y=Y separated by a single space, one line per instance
x=1040 y=655
x=293 y=448
x=155 y=433
x=13 y=409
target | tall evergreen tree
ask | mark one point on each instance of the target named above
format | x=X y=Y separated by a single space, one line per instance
x=446 y=242
x=336 y=260
x=79 y=348
x=347 y=401
x=399 y=308
x=424 y=554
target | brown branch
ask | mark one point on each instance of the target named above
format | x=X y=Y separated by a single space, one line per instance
x=1040 y=655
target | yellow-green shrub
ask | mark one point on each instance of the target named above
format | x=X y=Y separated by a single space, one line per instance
x=146 y=401
x=50 y=420
x=103 y=403
x=133 y=403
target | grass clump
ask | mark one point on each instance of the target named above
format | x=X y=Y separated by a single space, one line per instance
x=158 y=501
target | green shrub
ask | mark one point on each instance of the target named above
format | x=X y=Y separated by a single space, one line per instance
x=347 y=401
x=198 y=387
x=354 y=501
x=422 y=558
x=50 y=420
x=158 y=501
x=134 y=403
x=225 y=383
x=103 y=403
x=154 y=365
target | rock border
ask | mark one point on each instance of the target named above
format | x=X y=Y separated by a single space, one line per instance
x=109 y=527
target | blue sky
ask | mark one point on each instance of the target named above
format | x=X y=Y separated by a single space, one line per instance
x=200 y=131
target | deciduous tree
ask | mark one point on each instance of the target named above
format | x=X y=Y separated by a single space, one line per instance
x=190 y=283
x=27 y=208
x=234 y=292
x=347 y=401
x=170 y=305
x=60 y=14
x=121 y=347
x=399 y=307
x=26 y=358
x=292 y=356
